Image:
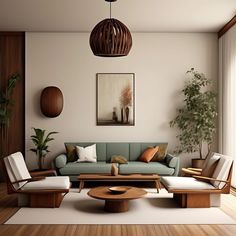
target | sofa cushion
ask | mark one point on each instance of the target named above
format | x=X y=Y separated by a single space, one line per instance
x=148 y=154
x=171 y=160
x=118 y=159
x=135 y=150
x=172 y=182
x=86 y=168
x=100 y=149
x=87 y=154
x=60 y=161
x=54 y=182
x=138 y=167
x=71 y=153
x=117 y=149
x=161 y=153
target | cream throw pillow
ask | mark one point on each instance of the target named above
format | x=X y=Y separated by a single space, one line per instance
x=87 y=154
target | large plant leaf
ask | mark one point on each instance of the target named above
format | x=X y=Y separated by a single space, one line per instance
x=40 y=142
x=12 y=83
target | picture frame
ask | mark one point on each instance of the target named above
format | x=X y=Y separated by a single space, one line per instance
x=115 y=99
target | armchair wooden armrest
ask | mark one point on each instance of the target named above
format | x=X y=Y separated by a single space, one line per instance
x=22 y=180
x=190 y=172
x=195 y=169
x=43 y=173
x=29 y=180
x=208 y=178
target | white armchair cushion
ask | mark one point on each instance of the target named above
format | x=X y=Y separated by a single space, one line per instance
x=16 y=169
x=172 y=182
x=54 y=182
x=222 y=170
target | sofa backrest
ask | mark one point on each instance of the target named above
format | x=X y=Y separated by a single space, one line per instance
x=105 y=150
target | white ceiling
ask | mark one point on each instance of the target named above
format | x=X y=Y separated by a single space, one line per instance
x=139 y=16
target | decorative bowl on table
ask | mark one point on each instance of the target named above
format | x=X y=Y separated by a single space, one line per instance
x=119 y=189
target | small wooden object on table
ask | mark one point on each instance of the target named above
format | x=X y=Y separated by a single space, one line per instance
x=116 y=202
x=134 y=177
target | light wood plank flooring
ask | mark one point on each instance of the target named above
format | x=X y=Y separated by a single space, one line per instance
x=8 y=208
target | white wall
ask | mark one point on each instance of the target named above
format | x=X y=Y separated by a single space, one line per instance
x=159 y=61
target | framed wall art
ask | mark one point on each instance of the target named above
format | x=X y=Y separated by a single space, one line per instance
x=115 y=99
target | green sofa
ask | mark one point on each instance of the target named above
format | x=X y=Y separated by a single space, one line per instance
x=105 y=150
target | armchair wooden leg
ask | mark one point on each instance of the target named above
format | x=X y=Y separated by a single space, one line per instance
x=201 y=200
x=158 y=185
x=46 y=200
x=81 y=185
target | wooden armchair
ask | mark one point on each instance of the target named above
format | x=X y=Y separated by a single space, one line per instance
x=200 y=190
x=38 y=191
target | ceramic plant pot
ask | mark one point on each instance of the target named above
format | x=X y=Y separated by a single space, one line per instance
x=198 y=163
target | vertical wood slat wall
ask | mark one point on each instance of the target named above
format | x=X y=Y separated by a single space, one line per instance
x=12 y=60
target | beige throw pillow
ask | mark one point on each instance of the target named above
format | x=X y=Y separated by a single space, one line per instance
x=161 y=153
x=119 y=159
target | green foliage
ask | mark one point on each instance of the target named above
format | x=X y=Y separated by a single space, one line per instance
x=6 y=101
x=40 y=140
x=196 y=119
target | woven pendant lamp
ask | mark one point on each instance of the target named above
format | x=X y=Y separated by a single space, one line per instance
x=110 y=38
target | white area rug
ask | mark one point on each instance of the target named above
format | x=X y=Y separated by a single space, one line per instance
x=79 y=208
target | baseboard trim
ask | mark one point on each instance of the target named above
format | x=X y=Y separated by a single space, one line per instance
x=233 y=191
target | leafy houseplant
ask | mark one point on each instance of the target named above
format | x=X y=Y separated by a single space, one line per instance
x=196 y=118
x=6 y=103
x=41 y=144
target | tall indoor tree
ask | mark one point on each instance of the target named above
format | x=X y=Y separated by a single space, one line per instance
x=196 y=119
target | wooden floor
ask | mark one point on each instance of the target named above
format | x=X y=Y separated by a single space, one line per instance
x=8 y=208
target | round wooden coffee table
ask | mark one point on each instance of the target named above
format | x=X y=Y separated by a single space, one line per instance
x=116 y=202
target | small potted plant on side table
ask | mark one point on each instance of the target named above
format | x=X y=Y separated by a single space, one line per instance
x=196 y=119
x=40 y=140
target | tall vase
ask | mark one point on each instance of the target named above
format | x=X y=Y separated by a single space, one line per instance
x=127 y=114
x=114 y=169
x=122 y=115
x=114 y=115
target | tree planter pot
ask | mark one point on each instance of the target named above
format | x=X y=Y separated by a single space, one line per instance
x=198 y=163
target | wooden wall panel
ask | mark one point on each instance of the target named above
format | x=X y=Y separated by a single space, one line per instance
x=12 y=60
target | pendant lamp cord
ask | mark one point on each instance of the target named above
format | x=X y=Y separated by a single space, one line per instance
x=110 y=10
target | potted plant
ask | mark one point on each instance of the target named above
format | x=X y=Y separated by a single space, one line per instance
x=6 y=103
x=196 y=119
x=40 y=140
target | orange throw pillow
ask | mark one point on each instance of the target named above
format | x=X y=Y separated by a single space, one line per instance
x=148 y=154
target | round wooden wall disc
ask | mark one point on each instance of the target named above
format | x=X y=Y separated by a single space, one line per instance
x=51 y=101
